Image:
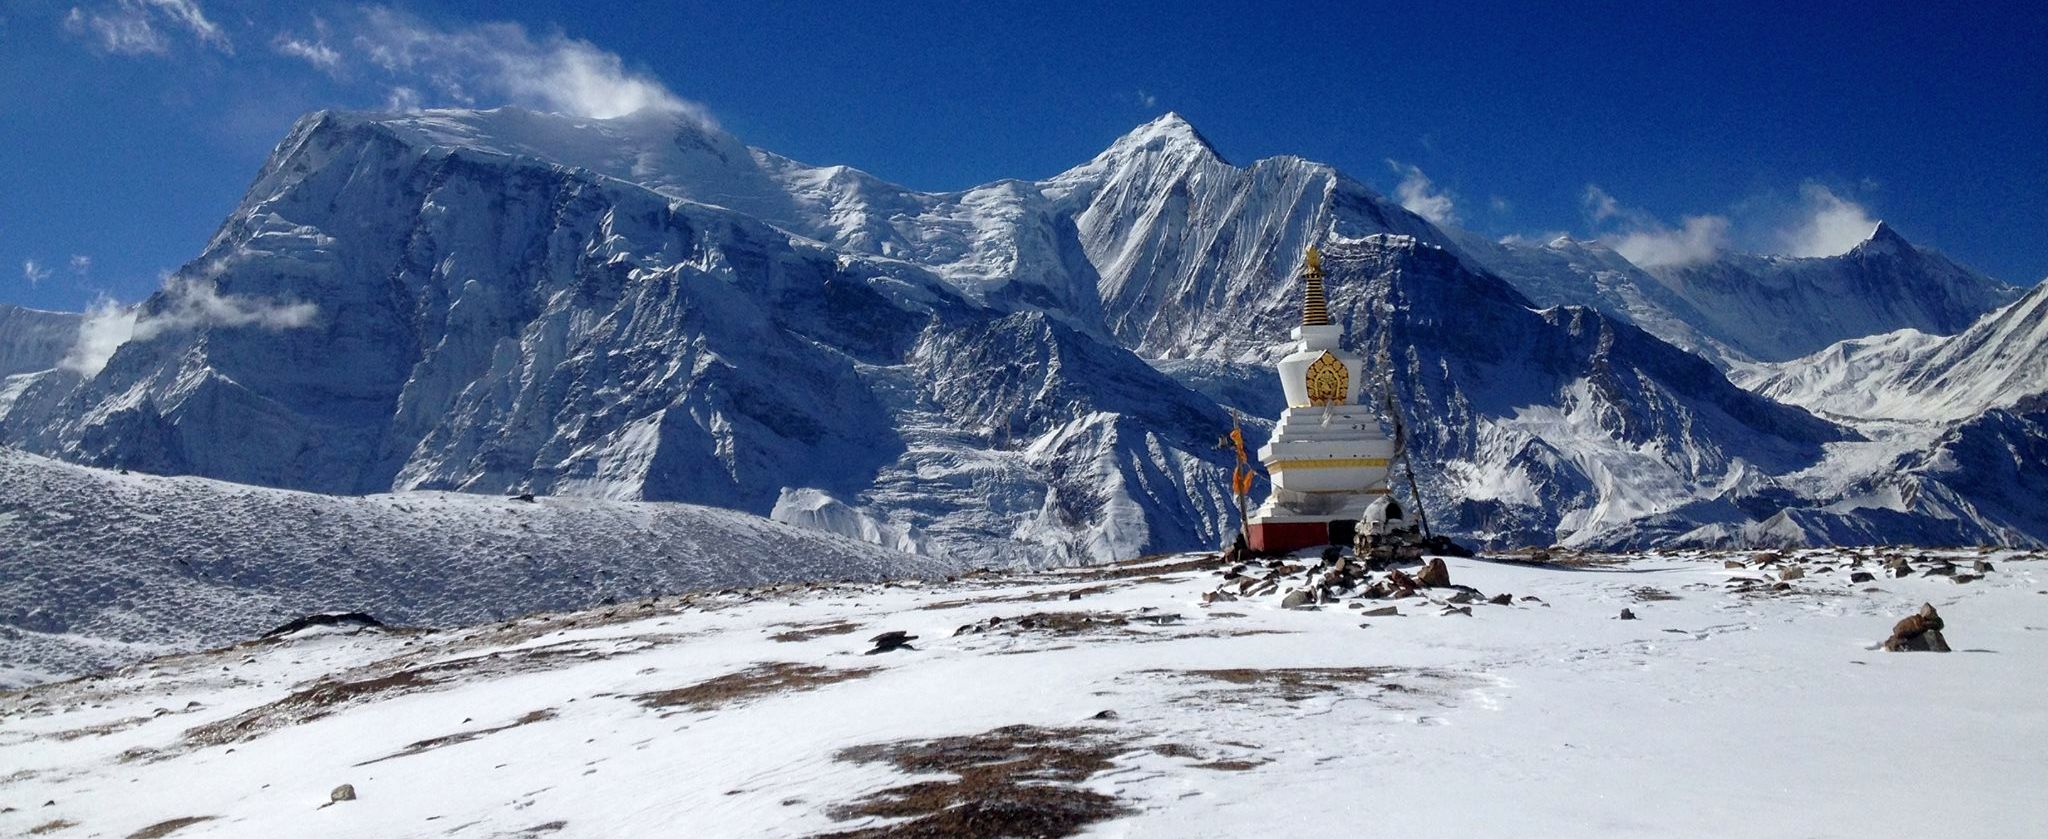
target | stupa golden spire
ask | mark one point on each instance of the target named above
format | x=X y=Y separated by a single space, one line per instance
x=1315 y=309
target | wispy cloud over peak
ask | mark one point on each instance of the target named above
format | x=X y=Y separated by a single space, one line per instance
x=33 y=272
x=1828 y=224
x=502 y=61
x=1640 y=238
x=145 y=27
x=183 y=304
x=1419 y=195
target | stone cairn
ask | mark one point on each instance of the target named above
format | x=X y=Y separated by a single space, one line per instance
x=1919 y=632
x=1336 y=577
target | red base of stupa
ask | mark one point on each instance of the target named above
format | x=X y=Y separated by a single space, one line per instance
x=1289 y=536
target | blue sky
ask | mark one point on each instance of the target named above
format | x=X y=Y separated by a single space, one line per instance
x=1673 y=131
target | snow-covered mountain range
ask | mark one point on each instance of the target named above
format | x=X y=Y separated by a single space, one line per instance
x=645 y=308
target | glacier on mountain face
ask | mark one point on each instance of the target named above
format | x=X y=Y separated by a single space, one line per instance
x=1023 y=372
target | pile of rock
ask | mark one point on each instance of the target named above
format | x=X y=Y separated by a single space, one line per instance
x=1339 y=576
x=1919 y=632
x=1781 y=571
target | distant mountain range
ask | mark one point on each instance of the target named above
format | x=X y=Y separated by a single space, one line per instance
x=1034 y=372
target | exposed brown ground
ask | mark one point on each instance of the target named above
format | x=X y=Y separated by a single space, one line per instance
x=806 y=632
x=433 y=743
x=760 y=680
x=166 y=828
x=332 y=695
x=1019 y=781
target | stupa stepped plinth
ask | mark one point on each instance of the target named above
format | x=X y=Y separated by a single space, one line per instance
x=1329 y=455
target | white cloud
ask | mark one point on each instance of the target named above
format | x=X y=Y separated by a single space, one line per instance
x=1828 y=224
x=1600 y=205
x=1421 y=197
x=1649 y=243
x=34 y=272
x=183 y=304
x=81 y=265
x=402 y=100
x=107 y=326
x=1147 y=99
x=138 y=27
x=316 y=53
x=1697 y=239
x=553 y=73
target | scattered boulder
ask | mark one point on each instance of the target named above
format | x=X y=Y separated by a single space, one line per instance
x=1297 y=599
x=892 y=641
x=1462 y=597
x=1434 y=575
x=1733 y=563
x=1965 y=578
x=1897 y=567
x=345 y=792
x=1792 y=572
x=1918 y=633
x=1627 y=615
x=357 y=620
x=1402 y=584
x=1981 y=567
x=1381 y=612
x=1502 y=599
x=1457 y=610
x=1941 y=570
x=1861 y=577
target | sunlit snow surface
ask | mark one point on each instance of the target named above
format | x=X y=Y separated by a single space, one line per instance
x=99 y=568
x=1715 y=714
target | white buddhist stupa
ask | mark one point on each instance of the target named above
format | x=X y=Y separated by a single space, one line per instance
x=1329 y=455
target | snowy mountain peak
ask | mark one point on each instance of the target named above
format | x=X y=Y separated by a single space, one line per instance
x=1883 y=239
x=1169 y=133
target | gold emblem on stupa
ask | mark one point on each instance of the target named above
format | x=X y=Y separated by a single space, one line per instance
x=1329 y=382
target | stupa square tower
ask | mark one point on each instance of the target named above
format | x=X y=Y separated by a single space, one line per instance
x=1330 y=455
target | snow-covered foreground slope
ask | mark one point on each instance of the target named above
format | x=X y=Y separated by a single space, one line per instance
x=1110 y=701
x=101 y=569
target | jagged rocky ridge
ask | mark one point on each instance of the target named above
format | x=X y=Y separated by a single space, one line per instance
x=1026 y=371
x=1775 y=308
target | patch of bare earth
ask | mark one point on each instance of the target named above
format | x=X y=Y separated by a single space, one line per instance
x=542 y=829
x=1033 y=597
x=166 y=828
x=51 y=826
x=1018 y=781
x=100 y=730
x=757 y=681
x=1072 y=624
x=806 y=632
x=332 y=695
x=445 y=740
x=1290 y=684
x=1651 y=594
x=1560 y=559
x=1199 y=759
x=1152 y=569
